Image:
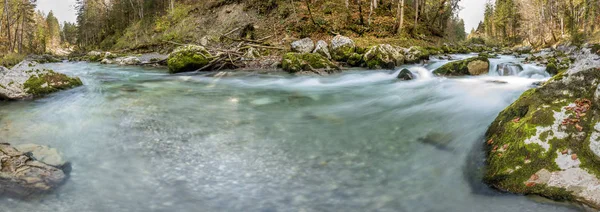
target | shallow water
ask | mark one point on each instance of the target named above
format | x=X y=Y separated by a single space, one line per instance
x=142 y=140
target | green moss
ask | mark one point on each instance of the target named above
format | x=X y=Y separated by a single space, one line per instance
x=518 y=122
x=342 y=54
x=188 y=58
x=311 y=62
x=49 y=82
x=356 y=60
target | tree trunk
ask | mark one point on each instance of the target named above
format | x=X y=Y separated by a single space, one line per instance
x=310 y=12
x=362 y=20
x=7 y=23
x=416 y=14
x=400 y=15
x=371 y=11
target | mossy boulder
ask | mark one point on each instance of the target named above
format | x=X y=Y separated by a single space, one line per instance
x=547 y=143
x=384 y=56
x=45 y=82
x=342 y=48
x=308 y=63
x=26 y=81
x=416 y=54
x=472 y=66
x=356 y=60
x=551 y=68
x=188 y=58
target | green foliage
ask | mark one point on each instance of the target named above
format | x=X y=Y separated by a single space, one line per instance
x=11 y=59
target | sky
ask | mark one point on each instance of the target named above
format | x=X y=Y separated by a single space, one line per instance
x=64 y=10
x=471 y=13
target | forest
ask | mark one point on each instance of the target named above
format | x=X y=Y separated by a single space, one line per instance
x=299 y=105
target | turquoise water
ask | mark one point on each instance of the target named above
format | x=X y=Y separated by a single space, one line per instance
x=142 y=140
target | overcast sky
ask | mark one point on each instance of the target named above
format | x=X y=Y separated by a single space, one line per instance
x=472 y=11
x=64 y=10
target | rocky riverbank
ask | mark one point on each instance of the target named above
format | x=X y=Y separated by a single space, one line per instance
x=26 y=81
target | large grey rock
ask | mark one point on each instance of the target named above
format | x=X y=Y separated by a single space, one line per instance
x=322 y=48
x=342 y=48
x=305 y=45
x=23 y=176
x=548 y=141
x=128 y=60
x=384 y=56
x=27 y=80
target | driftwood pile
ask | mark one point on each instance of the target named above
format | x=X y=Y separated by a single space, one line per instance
x=242 y=52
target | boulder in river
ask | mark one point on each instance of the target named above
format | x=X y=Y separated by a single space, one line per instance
x=188 y=58
x=406 y=75
x=472 y=66
x=305 y=45
x=21 y=175
x=308 y=63
x=25 y=81
x=547 y=143
x=384 y=56
x=342 y=48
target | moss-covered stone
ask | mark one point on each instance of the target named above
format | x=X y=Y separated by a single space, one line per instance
x=416 y=54
x=308 y=62
x=356 y=60
x=551 y=68
x=342 y=48
x=48 y=81
x=188 y=58
x=555 y=120
x=471 y=66
x=384 y=56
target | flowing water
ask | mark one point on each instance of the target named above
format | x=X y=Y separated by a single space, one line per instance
x=142 y=140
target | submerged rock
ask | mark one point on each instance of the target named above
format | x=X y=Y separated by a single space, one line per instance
x=547 y=143
x=188 y=58
x=405 y=75
x=472 y=66
x=509 y=69
x=22 y=176
x=308 y=63
x=305 y=45
x=44 y=154
x=384 y=56
x=440 y=141
x=24 y=81
x=342 y=48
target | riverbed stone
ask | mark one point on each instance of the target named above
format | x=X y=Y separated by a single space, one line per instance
x=322 y=48
x=384 y=56
x=188 y=58
x=305 y=45
x=44 y=154
x=547 y=142
x=405 y=75
x=342 y=48
x=26 y=80
x=472 y=66
x=22 y=176
x=308 y=63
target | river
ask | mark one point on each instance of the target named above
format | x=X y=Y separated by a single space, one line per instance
x=142 y=140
